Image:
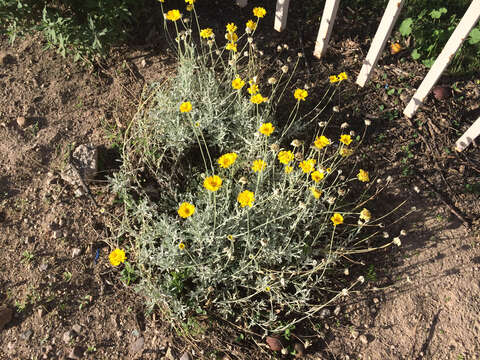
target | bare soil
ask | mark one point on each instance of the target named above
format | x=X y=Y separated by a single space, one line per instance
x=420 y=300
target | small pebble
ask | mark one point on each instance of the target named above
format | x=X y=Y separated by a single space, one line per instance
x=67 y=336
x=137 y=346
x=185 y=356
x=77 y=328
x=26 y=335
x=76 y=252
x=21 y=121
x=274 y=343
x=363 y=339
x=337 y=310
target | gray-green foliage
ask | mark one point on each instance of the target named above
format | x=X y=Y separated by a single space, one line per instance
x=259 y=264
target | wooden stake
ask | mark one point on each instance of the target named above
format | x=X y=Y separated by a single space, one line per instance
x=381 y=36
x=470 y=135
x=281 y=15
x=242 y=3
x=326 y=25
x=459 y=35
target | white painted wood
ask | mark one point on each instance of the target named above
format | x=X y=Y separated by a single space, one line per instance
x=326 y=25
x=281 y=15
x=242 y=3
x=470 y=135
x=384 y=30
x=456 y=39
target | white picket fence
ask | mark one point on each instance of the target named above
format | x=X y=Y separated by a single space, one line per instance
x=379 y=41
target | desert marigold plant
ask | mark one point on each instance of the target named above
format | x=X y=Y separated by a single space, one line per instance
x=244 y=220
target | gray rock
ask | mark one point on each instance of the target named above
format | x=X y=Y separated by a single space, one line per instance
x=363 y=339
x=76 y=252
x=185 y=356
x=136 y=348
x=67 y=336
x=26 y=335
x=77 y=328
x=21 y=121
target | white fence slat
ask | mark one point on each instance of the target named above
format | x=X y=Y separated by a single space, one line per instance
x=242 y=3
x=389 y=18
x=470 y=135
x=281 y=15
x=459 y=35
x=326 y=25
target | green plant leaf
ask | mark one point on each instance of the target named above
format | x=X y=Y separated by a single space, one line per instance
x=474 y=37
x=428 y=62
x=415 y=54
x=406 y=27
x=435 y=14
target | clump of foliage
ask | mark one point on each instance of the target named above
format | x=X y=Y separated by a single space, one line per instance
x=84 y=29
x=225 y=212
x=430 y=24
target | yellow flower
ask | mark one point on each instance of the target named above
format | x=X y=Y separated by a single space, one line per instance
x=190 y=2
x=206 y=33
x=258 y=99
x=212 y=183
x=185 y=107
x=308 y=165
x=253 y=89
x=342 y=76
x=259 y=12
x=315 y=192
x=317 y=176
x=227 y=160
x=189 y=7
x=117 y=257
x=365 y=215
x=285 y=157
x=288 y=169
x=173 y=15
x=363 y=176
x=259 y=165
x=252 y=25
x=337 y=219
x=345 y=139
x=346 y=152
x=161 y=1
x=231 y=46
x=231 y=27
x=181 y=246
x=334 y=79
x=238 y=83
x=231 y=37
x=395 y=48
x=246 y=198
x=186 y=210
x=266 y=129
x=300 y=94
x=267 y=288
x=321 y=142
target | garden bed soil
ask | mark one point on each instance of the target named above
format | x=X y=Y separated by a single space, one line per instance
x=420 y=300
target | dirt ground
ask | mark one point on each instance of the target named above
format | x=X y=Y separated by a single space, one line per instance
x=420 y=300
